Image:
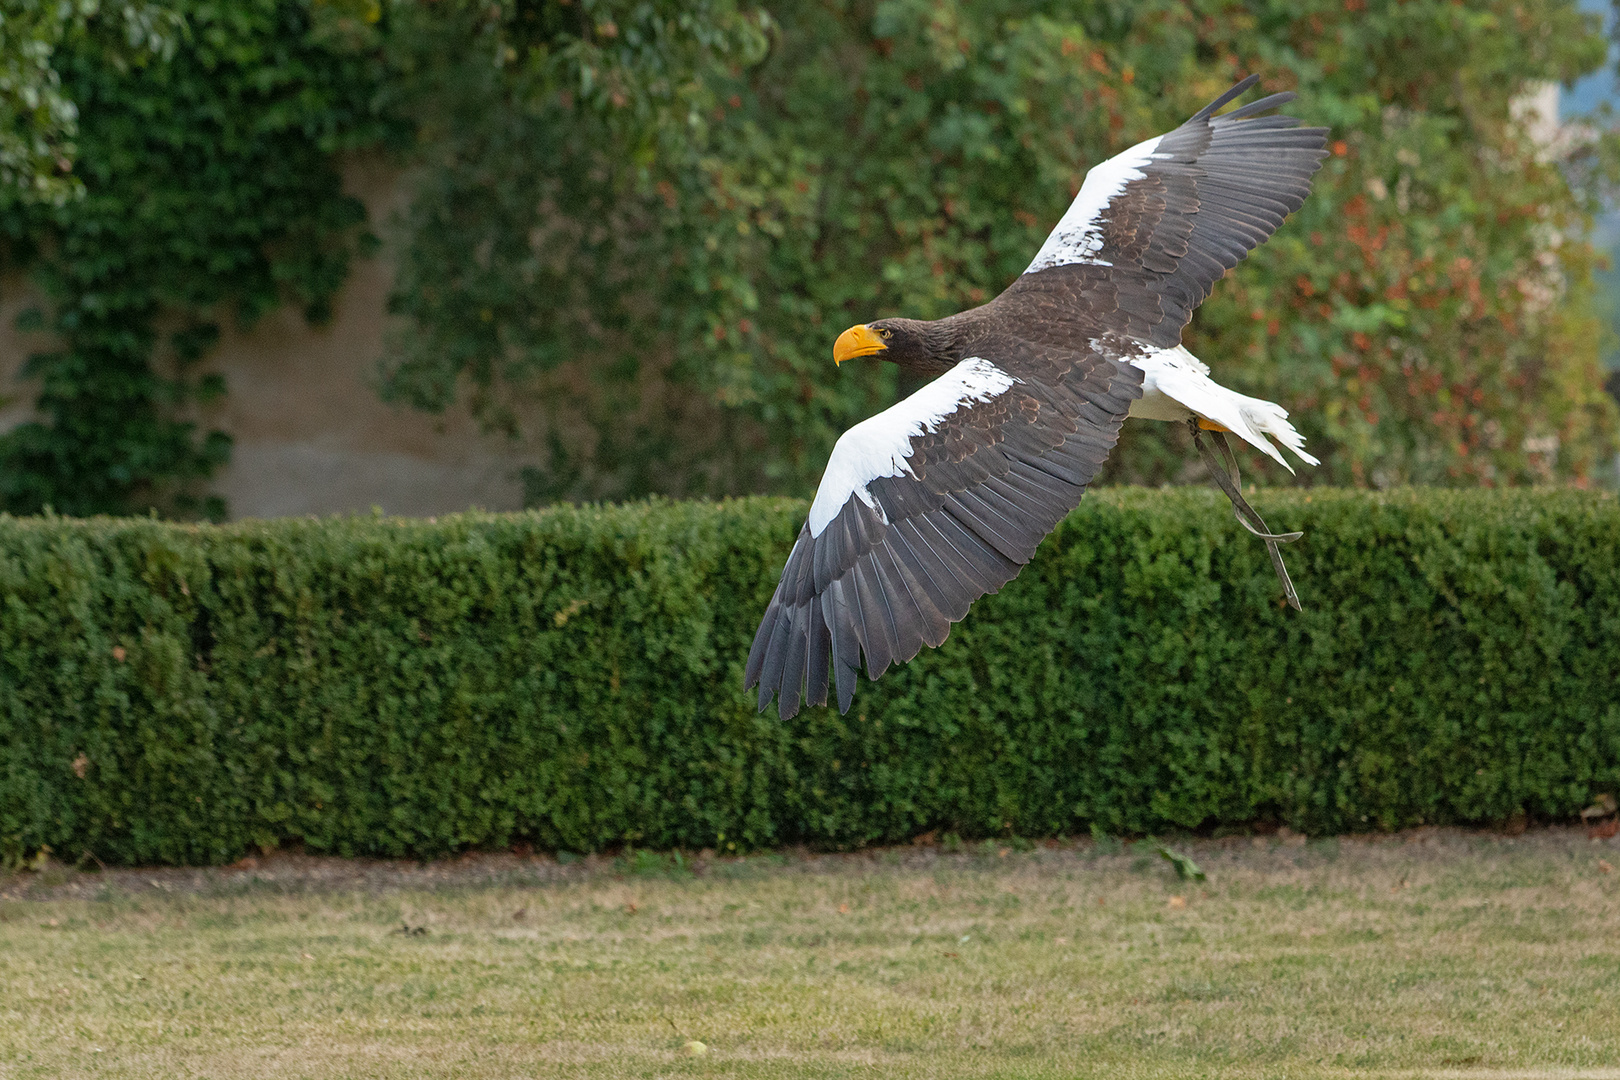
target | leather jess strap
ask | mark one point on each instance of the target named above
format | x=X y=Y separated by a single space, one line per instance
x=1225 y=474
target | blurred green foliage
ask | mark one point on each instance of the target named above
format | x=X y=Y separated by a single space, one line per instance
x=573 y=677
x=38 y=118
x=654 y=287
x=637 y=225
x=560 y=237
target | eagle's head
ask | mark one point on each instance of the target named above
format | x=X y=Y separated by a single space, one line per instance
x=922 y=347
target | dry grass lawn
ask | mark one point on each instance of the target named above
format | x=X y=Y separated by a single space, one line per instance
x=1429 y=954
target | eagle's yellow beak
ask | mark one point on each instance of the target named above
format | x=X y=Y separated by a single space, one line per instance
x=859 y=340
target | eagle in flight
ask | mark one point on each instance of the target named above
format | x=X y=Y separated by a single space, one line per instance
x=943 y=497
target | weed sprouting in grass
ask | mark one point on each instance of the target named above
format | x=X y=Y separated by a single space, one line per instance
x=1185 y=868
x=1103 y=843
x=642 y=863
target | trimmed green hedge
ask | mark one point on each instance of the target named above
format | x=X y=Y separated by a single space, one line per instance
x=572 y=677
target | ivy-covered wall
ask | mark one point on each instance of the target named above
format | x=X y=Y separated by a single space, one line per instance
x=210 y=192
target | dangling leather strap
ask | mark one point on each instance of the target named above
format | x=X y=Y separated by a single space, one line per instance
x=1225 y=475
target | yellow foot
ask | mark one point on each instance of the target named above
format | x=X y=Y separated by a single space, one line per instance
x=1210 y=425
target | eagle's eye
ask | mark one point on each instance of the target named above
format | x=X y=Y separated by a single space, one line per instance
x=887 y=334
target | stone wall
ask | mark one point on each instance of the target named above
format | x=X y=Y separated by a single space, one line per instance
x=311 y=434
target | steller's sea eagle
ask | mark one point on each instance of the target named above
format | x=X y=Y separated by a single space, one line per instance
x=942 y=498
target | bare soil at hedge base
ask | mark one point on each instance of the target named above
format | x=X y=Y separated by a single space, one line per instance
x=294 y=872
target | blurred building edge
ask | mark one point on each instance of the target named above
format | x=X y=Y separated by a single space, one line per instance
x=1557 y=134
x=1537 y=109
x=311 y=433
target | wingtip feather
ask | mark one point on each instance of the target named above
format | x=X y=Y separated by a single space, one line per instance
x=1237 y=91
x=1253 y=108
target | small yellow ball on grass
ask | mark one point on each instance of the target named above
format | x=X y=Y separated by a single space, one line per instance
x=693 y=1048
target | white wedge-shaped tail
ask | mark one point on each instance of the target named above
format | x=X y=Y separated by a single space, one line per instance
x=1176 y=385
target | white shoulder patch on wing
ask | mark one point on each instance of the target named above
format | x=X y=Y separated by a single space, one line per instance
x=879 y=445
x=1078 y=237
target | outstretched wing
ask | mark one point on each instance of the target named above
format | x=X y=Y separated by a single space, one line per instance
x=929 y=505
x=1153 y=228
